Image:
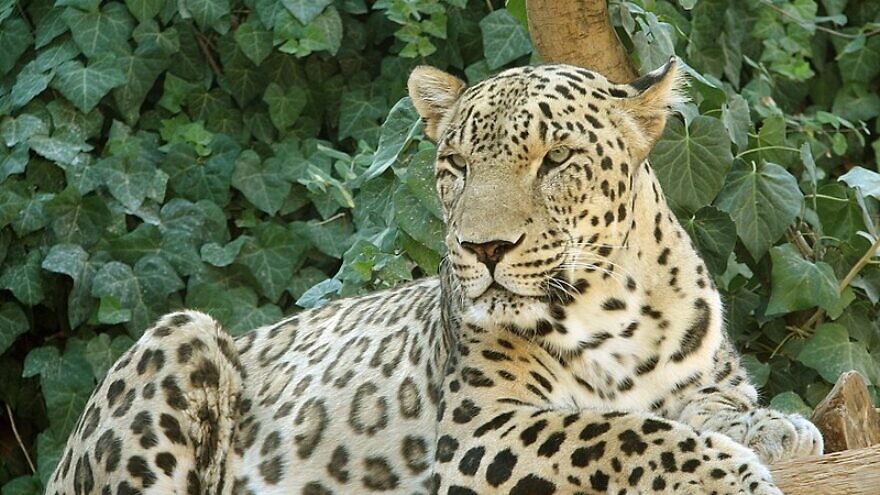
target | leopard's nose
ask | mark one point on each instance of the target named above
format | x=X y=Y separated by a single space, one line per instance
x=490 y=253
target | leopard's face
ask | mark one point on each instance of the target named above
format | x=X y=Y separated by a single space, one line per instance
x=535 y=172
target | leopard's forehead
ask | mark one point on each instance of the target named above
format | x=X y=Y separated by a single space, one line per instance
x=504 y=106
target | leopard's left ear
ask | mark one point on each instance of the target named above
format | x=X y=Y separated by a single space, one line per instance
x=433 y=93
x=655 y=94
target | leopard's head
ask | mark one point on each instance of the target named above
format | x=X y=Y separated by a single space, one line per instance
x=535 y=170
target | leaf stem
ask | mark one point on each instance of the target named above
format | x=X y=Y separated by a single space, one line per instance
x=825 y=196
x=762 y=148
x=203 y=44
x=18 y=439
x=824 y=29
x=850 y=276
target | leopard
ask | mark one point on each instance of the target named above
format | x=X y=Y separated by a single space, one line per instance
x=573 y=341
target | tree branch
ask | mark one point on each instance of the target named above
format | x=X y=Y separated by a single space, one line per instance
x=579 y=32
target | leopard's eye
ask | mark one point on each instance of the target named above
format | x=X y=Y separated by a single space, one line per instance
x=553 y=159
x=559 y=154
x=457 y=161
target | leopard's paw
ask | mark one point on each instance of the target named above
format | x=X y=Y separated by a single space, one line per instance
x=777 y=436
x=733 y=469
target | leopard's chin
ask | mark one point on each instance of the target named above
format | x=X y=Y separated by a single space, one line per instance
x=498 y=306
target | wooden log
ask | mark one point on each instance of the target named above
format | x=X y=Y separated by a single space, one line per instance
x=846 y=417
x=851 y=472
x=579 y=32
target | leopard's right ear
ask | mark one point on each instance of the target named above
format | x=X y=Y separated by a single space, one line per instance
x=433 y=93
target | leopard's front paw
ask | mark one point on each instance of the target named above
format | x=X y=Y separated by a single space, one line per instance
x=730 y=468
x=776 y=436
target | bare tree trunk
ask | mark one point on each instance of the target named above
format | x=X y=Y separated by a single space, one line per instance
x=579 y=32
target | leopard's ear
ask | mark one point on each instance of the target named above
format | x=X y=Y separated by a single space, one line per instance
x=655 y=94
x=433 y=93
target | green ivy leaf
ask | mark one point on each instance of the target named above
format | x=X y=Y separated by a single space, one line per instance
x=323 y=33
x=51 y=25
x=73 y=261
x=216 y=255
x=317 y=294
x=714 y=233
x=284 y=106
x=111 y=312
x=771 y=141
x=11 y=203
x=791 y=403
x=691 y=161
x=23 y=485
x=800 y=284
x=271 y=257
x=100 y=33
x=331 y=237
x=504 y=38
x=17 y=130
x=15 y=38
x=763 y=200
x=398 y=131
x=13 y=323
x=23 y=279
x=305 y=10
x=207 y=12
x=758 y=372
x=140 y=289
x=254 y=40
x=13 y=161
x=417 y=221
x=144 y=240
x=144 y=10
x=102 y=352
x=830 y=352
x=737 y=120
x=78 y=219
x=140 y=71
x=866 y=180
x=263 y=182
x=62 y=147
x=83 y=85
x=359 y=114
x=861 y=65
x=66 y=382
x=33 y=216
x=192 y=178
x=31 y=81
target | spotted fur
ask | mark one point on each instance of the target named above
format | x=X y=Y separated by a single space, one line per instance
x=573 y=343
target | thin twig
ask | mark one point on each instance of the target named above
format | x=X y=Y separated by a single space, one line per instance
x=206 y=51
x=334 y=217
x=489 y=4
x=818 y=27
x=795 y=238
x=850 y=276
x=18 y=438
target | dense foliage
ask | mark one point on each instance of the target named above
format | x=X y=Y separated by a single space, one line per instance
x=231 y=156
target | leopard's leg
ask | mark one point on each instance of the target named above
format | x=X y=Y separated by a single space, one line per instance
x=730 y=406
x=522 y=450
x=162 y=419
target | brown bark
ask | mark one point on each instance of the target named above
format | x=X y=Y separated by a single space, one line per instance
x=851 y=472
x=579 y=32
x=846 y=418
